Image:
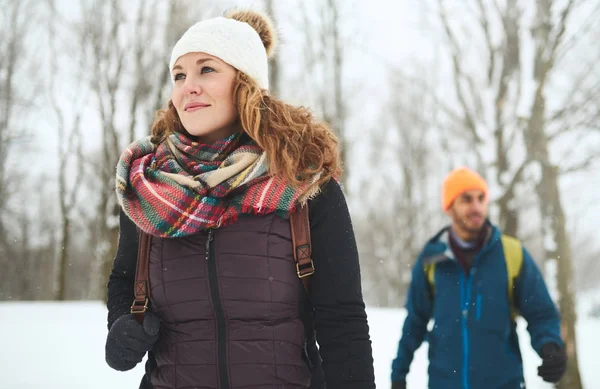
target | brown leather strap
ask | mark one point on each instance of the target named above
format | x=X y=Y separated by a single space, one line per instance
x=142 y=285
x=300 y=225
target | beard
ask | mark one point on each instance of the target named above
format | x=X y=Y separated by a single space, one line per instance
x=472 y=223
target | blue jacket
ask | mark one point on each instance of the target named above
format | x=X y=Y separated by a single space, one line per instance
x=473 y=342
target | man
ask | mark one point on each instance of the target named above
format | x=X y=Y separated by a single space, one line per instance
x=470 y=279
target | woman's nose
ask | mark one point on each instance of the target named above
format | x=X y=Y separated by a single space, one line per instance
x=191 y=87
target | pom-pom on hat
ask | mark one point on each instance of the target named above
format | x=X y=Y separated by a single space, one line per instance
x=242 y=38
x=459 y=181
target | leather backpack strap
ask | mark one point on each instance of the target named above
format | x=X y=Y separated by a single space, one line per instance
x=300 y=226
x=142 y=285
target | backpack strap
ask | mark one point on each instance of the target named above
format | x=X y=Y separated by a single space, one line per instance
x=430 y=275
x=300 y=226
x=513 y=255
x=302 y=249
x=141 y=286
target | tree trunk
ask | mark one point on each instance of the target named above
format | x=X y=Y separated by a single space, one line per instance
x=274 y=76
x=340 y=113
x=25 y=291
x=503 y=79
x=558 y=249
x=61 y=283
x=556 y=241
x=13 y=54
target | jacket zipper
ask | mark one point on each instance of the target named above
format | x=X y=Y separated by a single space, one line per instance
x=465 y=286
x=465 y=300
x=219 y=312
x=465 y=282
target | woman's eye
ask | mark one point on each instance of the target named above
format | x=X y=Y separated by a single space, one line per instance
x=206 y=69
x=179 y=76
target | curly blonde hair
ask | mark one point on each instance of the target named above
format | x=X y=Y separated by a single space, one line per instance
x=296 y=144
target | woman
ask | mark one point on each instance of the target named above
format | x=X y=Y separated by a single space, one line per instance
x=214 y=187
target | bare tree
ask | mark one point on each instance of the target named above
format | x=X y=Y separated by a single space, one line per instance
x=147 y=94
x=399 y=213
x=17 y=27
x=101 y=37
x=274 y=71
x=502 y=29
x=127 y=78
x=35 y=239
x=69 y=150
x=335 y=44
x=324 y=65
x=548 y=35
x=12 y=33
x=488 y=98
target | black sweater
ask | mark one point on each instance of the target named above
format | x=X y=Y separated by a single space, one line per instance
x=336 y=295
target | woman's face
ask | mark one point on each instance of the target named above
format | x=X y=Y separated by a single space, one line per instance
x=203 y=96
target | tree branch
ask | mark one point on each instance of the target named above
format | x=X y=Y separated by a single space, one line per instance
x=584 y=28
x=513 y=181
x=483 y=21
x=468 y=120
x=562 y=26
x=571 y=105
x=582 y=165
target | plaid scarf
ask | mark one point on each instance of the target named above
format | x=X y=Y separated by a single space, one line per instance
x=182 y=187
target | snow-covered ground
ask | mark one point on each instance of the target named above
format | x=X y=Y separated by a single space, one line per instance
x=61 y=346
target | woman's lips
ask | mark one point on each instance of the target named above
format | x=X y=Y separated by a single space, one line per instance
x=194 y=106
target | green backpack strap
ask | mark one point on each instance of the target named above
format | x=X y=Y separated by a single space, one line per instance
x=513 y=255
x=430 y=274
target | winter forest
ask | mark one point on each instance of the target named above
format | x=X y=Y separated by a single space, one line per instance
x=413 y=89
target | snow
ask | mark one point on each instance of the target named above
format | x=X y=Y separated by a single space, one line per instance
x=550 y=274
x=61 y=346
x=549 y=234
x=386 y=325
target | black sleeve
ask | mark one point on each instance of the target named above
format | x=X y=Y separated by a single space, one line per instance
x=122 y=275
x=336 y=294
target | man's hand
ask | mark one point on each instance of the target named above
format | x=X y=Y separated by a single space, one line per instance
x=554 y=362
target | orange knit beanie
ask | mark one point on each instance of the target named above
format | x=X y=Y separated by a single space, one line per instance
x=459 y=181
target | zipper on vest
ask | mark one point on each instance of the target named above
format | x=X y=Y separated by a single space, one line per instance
x=219 y=312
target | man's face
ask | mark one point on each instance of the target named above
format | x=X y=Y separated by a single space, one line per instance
x=469 y=211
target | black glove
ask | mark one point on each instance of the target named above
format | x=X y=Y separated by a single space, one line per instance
x=554 y=362
x=399 y=385
x=127 y=341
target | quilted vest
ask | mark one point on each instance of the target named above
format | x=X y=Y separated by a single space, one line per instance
x=231 y=305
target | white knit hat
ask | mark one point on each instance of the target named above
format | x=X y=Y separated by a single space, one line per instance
x=234 y=42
